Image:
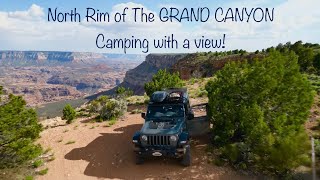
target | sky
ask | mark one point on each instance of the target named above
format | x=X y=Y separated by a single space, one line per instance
x=24 y=25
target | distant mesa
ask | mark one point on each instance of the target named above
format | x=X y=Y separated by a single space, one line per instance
x=50 y=76
x=137 y=77
x=42 y=57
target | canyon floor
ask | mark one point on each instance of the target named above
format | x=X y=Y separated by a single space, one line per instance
x=87 y=150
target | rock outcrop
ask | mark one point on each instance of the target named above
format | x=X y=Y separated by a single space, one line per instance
x=188 y=66
x=137 y=77
x=191 y=66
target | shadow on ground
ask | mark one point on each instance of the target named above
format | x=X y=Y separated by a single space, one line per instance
x=111 y=156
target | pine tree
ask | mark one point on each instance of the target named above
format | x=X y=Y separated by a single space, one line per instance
x=161 y=80
x=69 y=113
x=19 y=129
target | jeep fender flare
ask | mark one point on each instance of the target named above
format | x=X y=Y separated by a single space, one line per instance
x=136 y=136
x=183 y=138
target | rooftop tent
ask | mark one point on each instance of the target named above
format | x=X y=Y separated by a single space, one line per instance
x=158 y=96
x=169 y=95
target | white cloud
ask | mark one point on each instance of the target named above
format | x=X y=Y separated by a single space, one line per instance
x=35 y=12
x=295 y=14
x=292 y=20
x=28 y=30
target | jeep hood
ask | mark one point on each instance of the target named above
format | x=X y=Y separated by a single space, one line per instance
x=156 y=127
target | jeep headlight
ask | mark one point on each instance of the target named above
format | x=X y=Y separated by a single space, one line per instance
x=144 y=138
x=173 y=138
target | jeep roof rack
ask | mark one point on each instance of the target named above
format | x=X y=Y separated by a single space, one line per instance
x=171 y=95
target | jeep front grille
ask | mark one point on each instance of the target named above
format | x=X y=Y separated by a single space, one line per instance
x=158 y=140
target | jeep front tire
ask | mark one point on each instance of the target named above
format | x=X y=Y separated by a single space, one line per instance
x=186 y=159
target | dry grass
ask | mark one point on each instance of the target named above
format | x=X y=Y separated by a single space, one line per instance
x=70 y=142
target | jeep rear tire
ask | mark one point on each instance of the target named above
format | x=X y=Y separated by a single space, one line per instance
x=139 y=159
x=186 y=159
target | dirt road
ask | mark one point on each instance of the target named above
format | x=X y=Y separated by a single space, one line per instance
x=101 y=152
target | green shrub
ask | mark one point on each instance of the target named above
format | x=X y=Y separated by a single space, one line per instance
x=137 y=100
x=315 y=81
x=81 y=114
x=258 y=110
x=37 y=163
x=146 y=101
x=218 y=162
x=29 y=178
x=122 y=91
x=232 y=152
x=43 y=171
x=202 y=93
x=112 y=122
x=108 y=108
x=136 y=111
x=192 y=81
x=69 y=113
x=19 y=129
x=161 y=80
x=317 y=147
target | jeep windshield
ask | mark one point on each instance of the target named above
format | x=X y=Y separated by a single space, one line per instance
x=165 y=112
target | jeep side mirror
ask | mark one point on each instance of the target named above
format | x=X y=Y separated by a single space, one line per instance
x=190 y=116
x=143 y=115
